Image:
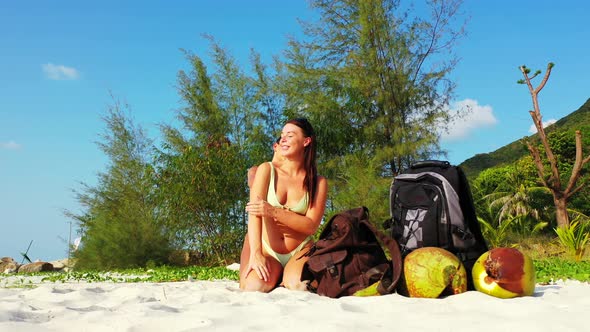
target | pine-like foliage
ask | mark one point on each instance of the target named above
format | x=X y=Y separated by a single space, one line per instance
x=371 y=76
x=375 y=78
x=120 y=224
x=228 y=121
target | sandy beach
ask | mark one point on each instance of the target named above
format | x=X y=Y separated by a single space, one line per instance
x=221 y=306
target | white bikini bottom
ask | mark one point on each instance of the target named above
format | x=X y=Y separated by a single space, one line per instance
x=284 y=258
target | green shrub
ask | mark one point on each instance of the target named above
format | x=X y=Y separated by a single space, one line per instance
x=574 y=238
x=496 y=235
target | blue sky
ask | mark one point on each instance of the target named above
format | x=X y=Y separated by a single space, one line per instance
x=61 y=60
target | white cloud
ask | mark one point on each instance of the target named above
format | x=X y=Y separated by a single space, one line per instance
x=60 y=72
x=10 y=145
x=547 y=123
x=472 y=116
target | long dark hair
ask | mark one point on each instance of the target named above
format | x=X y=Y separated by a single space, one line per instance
x=311 y=170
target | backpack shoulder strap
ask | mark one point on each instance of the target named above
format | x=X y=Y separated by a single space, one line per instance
x=469 y=209
x=390 y=278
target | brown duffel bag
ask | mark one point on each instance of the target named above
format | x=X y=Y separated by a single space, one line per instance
x=347 y=257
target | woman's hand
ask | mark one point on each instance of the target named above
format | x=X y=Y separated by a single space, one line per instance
x=260 y=265
x=260 y=208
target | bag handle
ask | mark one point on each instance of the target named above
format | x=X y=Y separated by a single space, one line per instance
x=390 y=278
x=431 y=163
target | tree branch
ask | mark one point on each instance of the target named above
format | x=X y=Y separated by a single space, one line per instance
x=578 y=164
x=527 y=80
x=578 y=188
x=545 y=78
x=538 y=121
x=538 y=163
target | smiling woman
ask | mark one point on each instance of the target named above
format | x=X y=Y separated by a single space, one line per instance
x=287 y=203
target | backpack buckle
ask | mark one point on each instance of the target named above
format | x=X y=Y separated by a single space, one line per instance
x=332 y=270
x=463 y=234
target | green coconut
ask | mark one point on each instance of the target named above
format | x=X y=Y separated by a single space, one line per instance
x=432 y=272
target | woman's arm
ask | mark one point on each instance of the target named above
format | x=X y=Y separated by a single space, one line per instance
x=259 y=189
x=305 y=224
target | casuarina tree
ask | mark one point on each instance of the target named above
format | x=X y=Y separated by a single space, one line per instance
x=374 y=77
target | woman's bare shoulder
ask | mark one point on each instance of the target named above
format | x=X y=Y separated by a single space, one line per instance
x=322 y=184
x=264 y=166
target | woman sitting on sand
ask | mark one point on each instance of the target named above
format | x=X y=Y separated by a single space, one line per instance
x=287 y=202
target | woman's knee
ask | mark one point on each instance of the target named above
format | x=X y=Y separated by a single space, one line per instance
x=257 y=285
x=293 y=281
x=299 y=285
x=251 y=282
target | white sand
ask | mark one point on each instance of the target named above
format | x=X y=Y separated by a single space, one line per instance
x=221 y=306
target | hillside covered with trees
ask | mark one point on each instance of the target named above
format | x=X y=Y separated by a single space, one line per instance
x=542 y=191
x=510 y=153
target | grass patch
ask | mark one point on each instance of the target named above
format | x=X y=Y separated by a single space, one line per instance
x=554 y=268
x=158 y=274
x=550 y=259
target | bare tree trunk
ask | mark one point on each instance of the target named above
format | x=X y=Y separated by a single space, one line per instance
x=563 y=219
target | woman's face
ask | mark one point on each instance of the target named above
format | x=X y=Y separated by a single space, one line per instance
x=293 y=141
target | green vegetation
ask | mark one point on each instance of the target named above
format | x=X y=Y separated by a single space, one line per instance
x=374 y=80
x=514 y=212
x=120 y=222
x=510 y=153
x=157 y=274
x=552 y=269
x=373 y=77
x=574 y=238
x=495 y=233
x=514 y=204
x=562 y=183
x=548 y=269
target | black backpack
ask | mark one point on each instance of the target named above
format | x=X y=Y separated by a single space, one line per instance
x=347 y=257
x=431 y=206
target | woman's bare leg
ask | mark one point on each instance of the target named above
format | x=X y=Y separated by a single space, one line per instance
x=294 y=268
x=250 y=281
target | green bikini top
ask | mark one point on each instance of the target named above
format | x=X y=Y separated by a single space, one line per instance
x=272 y=199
